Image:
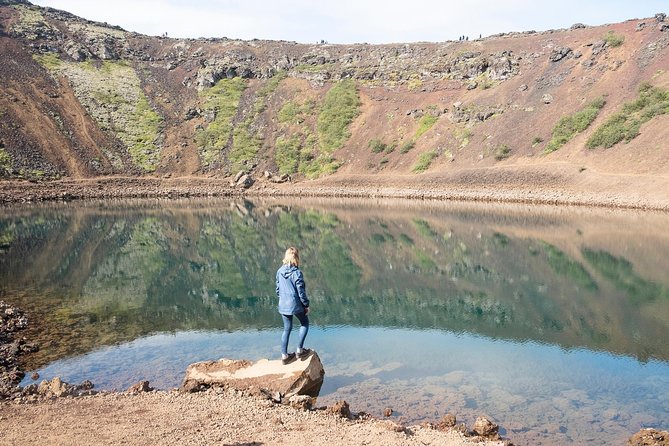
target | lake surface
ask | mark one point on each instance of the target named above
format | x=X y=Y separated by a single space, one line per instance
x=553 y=322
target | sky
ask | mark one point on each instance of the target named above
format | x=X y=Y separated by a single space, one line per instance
x=352 y=21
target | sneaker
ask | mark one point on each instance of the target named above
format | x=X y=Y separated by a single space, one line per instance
x=303 y=353
x=289 y=358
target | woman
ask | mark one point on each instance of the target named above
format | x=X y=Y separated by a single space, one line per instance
x=293 y=301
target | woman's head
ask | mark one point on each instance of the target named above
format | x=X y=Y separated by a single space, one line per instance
x=292 y=257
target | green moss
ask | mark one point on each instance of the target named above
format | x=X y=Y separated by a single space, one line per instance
x=568 y=126
x=50 y=61
x=112 y=95
x=626 y=124
x=424 y=161
x=223 y=100
x=426 y=122
x=340 y=107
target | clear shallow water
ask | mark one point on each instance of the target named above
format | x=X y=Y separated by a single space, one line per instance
x=552 y=322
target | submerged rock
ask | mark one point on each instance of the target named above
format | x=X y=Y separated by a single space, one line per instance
x=649 y=437
x=300 y=377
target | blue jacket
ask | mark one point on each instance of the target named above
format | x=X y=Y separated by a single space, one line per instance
x=291 y=290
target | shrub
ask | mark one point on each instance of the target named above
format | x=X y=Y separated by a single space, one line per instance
x=407 y=146
x=626 y=124
x=614 y=40
x=502 y=151
x=5 y=161
x=424 y=161
x=377 y=145
x=537 y=140
x=568 y=126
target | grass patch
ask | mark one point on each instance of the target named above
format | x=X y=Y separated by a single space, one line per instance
x=321 y=165
x=144 y=132
x=626 y=124
x=340 y=107
x=288 y=154
x=222 y=99
x=424 y=161
x=537 y=140
x=426 y=122
x=614 y=40
x=568 y=126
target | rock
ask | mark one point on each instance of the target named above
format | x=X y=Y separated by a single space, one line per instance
x=578 y=26
x=447 y=422
x=649 y=437
x=340 y=408
x=239 y=175
x=387 y=412
x=192 y=113
x=523 y=87
x=598 y=47
x=664 y=27
x=304 y=402
x=560 y=53
x=54 y=388
x=547 y=98
x=267 y=174
x=245 y=181
x=301 y=377
x=486 y=428
x=640 y=26
x=140 y=387
x=660 y=17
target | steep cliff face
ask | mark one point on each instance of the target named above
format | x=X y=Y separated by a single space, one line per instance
x=84 y=99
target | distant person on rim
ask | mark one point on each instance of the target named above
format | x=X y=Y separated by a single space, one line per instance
x=293 y=301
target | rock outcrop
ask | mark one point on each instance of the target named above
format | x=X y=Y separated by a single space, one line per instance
x=281 y=382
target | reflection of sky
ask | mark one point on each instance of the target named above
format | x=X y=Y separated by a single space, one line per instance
x=533 y=375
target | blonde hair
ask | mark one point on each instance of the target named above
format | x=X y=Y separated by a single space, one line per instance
x=292 y=257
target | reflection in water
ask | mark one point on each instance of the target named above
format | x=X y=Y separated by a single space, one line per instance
x=553 y=322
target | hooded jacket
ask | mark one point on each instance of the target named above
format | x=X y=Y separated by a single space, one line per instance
x=291 y=290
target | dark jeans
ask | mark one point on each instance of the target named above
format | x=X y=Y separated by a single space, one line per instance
x=288 y=326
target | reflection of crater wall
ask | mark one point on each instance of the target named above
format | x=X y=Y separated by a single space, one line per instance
x=129 y=272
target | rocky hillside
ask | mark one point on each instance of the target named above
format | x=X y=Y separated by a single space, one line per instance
x=81 y=99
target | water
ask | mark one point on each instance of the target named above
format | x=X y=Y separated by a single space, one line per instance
x=553 y=322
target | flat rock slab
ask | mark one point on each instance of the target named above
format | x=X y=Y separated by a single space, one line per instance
x=300 y=377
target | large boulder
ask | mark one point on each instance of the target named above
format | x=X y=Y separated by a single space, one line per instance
x=282 y=381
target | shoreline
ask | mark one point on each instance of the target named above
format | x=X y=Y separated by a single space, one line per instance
x=513 y=186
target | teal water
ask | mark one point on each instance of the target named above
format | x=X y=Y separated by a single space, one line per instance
x=552 y=322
